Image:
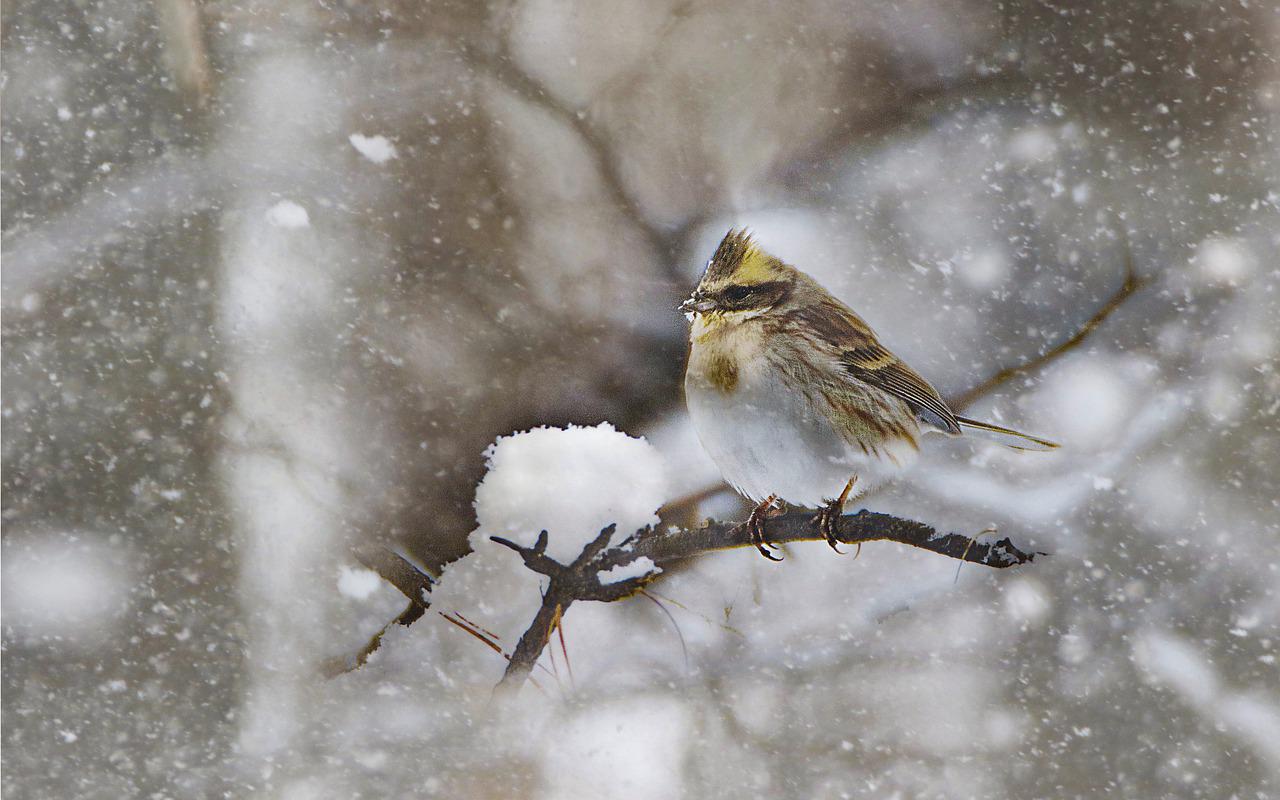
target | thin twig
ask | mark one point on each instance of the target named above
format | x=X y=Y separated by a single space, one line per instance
x=565 y=650
x=503 y=68
x=1132 y=283
x=400 y=572
x=492 y=645
x=684 y=649
x=531 y=644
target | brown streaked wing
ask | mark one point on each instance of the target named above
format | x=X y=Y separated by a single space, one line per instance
x=872 y=364
x=866 y=360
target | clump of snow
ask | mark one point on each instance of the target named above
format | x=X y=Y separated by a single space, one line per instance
x=571 y=482
x=70 y=587
x=624 y=572
x=1032 y=144
x=1027 y=600
x=1087 y=401
x=377 y=149
x=1224 y=262
x=288 y=214
x=357 y=584
x=984 y=268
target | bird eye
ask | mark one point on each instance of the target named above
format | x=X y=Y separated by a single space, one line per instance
x=736 y=293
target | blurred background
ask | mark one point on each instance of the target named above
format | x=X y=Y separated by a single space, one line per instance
x=276 y=273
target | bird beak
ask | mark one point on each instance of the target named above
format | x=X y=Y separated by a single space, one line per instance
x=697 y=305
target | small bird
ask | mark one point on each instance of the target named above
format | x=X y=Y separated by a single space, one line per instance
x=794 y=397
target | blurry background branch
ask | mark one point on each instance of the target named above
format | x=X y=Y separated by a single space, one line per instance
x=1132 y=283
x=580 y=580
x=181 y=31
x=665 y=245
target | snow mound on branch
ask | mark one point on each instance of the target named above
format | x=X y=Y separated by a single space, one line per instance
x=572 y=482
x=358 y=584
x=624 y=572
x=288 y=214
x=377 y=149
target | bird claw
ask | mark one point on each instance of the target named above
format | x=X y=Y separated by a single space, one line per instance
x=756 y=524
x=828 y=519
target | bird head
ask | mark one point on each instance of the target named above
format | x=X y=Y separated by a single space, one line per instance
x=741 y=281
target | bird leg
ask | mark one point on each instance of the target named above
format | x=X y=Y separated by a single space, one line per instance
x=828 y=518
x=755 y=524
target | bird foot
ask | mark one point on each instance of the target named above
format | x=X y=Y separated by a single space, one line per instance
x=828 y=519
x=756 y=525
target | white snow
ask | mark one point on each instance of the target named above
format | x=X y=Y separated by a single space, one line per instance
x=492 y=588
x=623 y=572
x=288 y=214
x=571 y=482
x=1224 y=262
x=1179 y=665
x=624 y=748
x=1032 y=144
x=358 y=583
x=377 y=149
x=1086 y=401
x=1027 y=599
x=985 y=268
x=71 y=588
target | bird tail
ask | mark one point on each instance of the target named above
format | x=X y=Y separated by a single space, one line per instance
x=1007 y=436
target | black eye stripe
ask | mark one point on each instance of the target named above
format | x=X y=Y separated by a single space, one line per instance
x=767 y=293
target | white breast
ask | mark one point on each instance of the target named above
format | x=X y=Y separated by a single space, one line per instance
x=769 y=438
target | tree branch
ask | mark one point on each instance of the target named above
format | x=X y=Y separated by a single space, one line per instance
x=1132 y=283
x=400 y=572
x=580 y=580
x=413 y=583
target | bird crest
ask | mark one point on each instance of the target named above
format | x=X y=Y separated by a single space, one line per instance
x=739 y=260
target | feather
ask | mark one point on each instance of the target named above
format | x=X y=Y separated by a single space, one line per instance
x=1022 y=441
